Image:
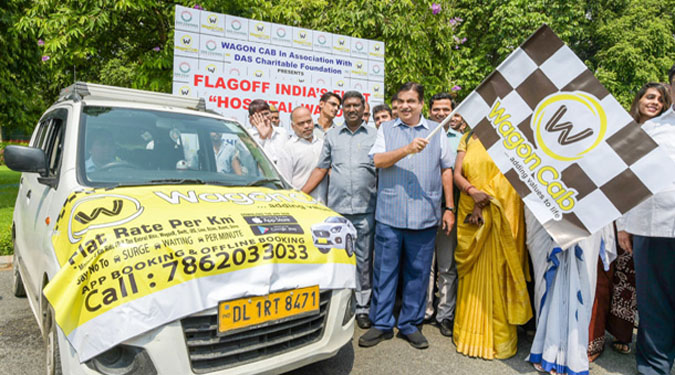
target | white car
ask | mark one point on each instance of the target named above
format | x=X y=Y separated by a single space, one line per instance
x=156 y=139
x=335 y=232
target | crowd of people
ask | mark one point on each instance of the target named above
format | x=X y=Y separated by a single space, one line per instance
x=445 y=240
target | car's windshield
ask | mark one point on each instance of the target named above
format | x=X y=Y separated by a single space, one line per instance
x=122 y=146
x=335 y=219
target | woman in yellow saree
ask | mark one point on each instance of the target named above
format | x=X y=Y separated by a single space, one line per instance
x=492 y=266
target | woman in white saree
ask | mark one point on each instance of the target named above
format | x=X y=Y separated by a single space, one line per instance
x=564 y=293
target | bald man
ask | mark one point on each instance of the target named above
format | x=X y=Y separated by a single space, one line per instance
x=301 y=154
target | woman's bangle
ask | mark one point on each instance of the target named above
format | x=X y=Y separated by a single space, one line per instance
x=468 y=187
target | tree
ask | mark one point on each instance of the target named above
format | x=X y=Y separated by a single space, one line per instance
x=447 y=45
x=21 y=100
x=633 y=43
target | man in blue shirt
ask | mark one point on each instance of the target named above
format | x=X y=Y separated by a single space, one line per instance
x=352 y=189
x=413 y=174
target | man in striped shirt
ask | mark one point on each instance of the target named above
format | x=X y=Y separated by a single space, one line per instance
x=413 y=174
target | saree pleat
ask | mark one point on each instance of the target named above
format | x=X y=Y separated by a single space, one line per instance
x=491 y=261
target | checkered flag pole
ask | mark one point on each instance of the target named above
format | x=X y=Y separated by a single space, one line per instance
x=569 y=149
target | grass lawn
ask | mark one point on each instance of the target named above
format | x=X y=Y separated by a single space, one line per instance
x=9 y=185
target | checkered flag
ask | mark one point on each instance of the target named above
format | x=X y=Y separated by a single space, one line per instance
x=570 y=150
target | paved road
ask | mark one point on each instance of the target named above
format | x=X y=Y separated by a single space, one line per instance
x=22 y=351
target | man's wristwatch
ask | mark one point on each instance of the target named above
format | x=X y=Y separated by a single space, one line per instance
x=451 y=209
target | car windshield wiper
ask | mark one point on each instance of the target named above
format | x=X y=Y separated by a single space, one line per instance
x=177 y=181
x=264 y=181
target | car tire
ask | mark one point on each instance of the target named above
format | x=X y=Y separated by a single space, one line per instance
x=53 y=353
x=323 y=250
x=349 y=245
x=17 y=283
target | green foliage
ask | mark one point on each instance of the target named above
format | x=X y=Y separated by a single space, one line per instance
x=9 y=186
x=21 y=98
x=635 y=44
x=130 y=43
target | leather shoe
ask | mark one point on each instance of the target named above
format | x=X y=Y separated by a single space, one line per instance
x=362 y=321
x=374 y=336
x=445 y=326
x=416 y=339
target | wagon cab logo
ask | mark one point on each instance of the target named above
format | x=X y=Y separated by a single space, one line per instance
x=341 y=42
x=235 y=24
x=359 y=65
x=212 y=20
x=184 y=90
x=568 y=125
x=260 y=27
x=211 y=45
x=303 y=35
x=301 y=80
x=186 y=16
x=377 y=47
x=186 y=40
x=211 y=68
x=184 y=67
x=554 y=125
x=83 y=218
x=101 y=211
x=376 y=88
x=340 y=83
x=281 y=32
x=258 y=73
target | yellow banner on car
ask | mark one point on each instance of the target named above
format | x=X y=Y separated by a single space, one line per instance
x=134 y=258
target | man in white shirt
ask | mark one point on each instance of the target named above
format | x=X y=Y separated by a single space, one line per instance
x=271 y=138
x=301 y=154
x=648 y=231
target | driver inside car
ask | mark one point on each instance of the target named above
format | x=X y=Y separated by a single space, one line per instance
x=227 y=158
x=101 y=151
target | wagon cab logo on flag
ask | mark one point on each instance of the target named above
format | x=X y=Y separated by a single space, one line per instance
x=559 y=119
x=568 y=148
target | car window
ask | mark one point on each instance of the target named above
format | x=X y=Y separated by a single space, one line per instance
x=40 y=133
x=55 y=146
x=335 y=219
x=122 y=146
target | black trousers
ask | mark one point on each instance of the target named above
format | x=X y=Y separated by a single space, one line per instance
x=655 y=281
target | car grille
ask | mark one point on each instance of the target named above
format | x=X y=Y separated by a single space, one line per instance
x=321 y=233
x=209 y=352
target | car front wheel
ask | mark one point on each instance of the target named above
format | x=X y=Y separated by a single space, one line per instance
x=53 y=354
x=17 y=283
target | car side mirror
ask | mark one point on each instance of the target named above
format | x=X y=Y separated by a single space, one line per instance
x=26 y=159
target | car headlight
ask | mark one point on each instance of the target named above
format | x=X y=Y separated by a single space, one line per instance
x=351 y=309
x=123 y=360
x=336 y=229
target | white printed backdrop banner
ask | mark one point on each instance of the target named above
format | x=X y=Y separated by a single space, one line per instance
x=230 y=61
x=566 y=145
